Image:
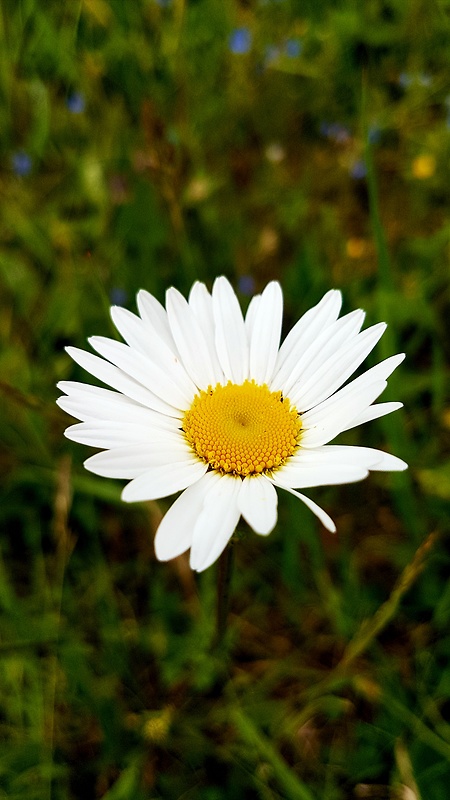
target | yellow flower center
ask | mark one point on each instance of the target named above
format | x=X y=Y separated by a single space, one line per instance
x=243 y=429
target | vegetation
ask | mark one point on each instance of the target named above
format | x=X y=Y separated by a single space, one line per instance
x=147 y=144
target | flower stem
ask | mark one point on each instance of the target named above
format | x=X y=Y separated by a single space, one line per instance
x=223 y=593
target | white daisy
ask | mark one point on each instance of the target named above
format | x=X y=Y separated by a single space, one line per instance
x=208 y=404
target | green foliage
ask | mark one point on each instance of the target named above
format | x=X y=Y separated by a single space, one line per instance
x=138 y=150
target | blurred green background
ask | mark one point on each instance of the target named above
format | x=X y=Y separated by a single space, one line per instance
x=148 y=144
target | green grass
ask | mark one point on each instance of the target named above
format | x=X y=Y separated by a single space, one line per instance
x=157 y=157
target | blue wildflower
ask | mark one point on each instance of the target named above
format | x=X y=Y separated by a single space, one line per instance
x=358 y=170
x=246 y=285
x=293 y=48
x=335 y=131
x=76 y=102
x=118 y=296
x=240 y=41
x=21 y=163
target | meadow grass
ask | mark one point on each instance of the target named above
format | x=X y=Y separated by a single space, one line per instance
x=147 y=144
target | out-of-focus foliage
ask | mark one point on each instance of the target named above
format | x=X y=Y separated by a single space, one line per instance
x=145 y=144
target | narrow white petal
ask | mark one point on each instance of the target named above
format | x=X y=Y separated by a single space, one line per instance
x=258 y=503
x=190 y=341
x=112 y=376
x=105 y=434
x=374 y=412
x=344 y=457
x=335 y=455
x=169 y=387
x=324 y=421
x=129 y=461
x=326 y=521
x=386 y=462
x=347 y=397
x=231 y=339
x=337 y=369
x=325 y=346
x=200 y=301
x=265 y=334
x=135 y=331
x=216 y=523
x=163 y=480
x=143 y=338
x=297 y=477
x=87 y=402
x=305 y=332
x=251 y=315
x=321 y=427
x=154 y=315
x=174 y=535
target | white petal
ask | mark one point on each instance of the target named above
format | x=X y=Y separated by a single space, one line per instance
x=130 y=461
x=200 y=301
x=102 y=433
x=322 y=426
x=265 y=334
x=231 y=339
x=251 y=315
x=136 y=332
x=88 y=402
x=374 y=412
x=257 y=503
x=332 y=455
x=163 y=480
x=325 y=346
x=385 y=463
x=190 y=341
x=323 y=422
x=174 y=535
x=154 y=315
x=142 y=337
x=337 y=369
x=293 y=476
x=217 y=521
x=169 y=387
x=336 y=464
x=116 y=378
x=326 y=521
x=305 y=332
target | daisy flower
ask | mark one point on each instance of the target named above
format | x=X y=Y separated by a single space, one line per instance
x=205 y=402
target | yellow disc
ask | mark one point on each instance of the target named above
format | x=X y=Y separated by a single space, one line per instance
x=242 y=429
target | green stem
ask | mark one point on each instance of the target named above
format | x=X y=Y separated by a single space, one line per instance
x=223 y=593
x=293 y=787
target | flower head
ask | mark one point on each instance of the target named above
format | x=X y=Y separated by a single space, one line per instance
x=76 y=102
x=206 y=402
x=240 y=41
x=21 y=163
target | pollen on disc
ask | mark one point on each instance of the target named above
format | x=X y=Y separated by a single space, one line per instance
x=244 y=429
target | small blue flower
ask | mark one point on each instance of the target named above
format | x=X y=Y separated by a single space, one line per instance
x=76 y=102
x=246 y=285
x=118 y=296
x=21 y=163
x=358 y=170
x=240 y=41
x=293 y=48
x=335 y=131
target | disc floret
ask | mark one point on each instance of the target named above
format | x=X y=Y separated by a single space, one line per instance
x=242 y=429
